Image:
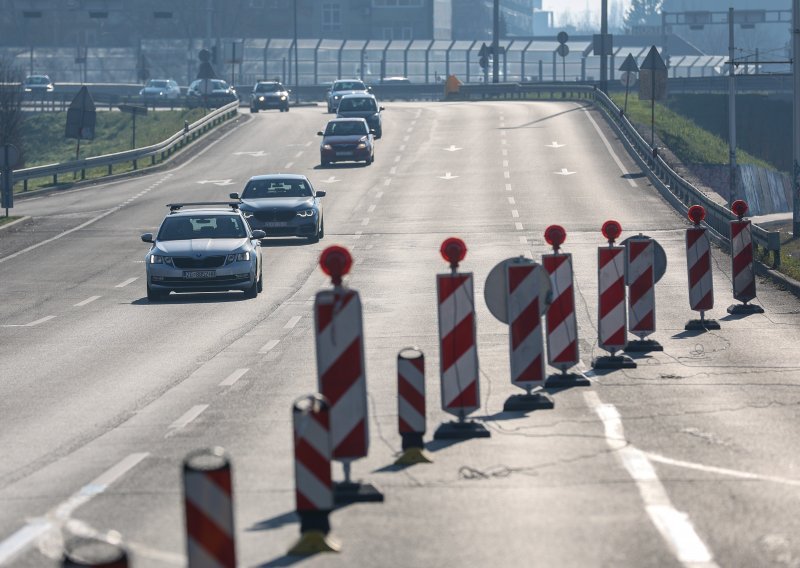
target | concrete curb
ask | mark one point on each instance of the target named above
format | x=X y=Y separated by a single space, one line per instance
x=12 y=223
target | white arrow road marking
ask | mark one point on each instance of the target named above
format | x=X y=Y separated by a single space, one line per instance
x=554 y=145
x=216 y=181
x=448 y=175
x=452 y=148
x=256 y=154
x=564 y=172
x=331 y=179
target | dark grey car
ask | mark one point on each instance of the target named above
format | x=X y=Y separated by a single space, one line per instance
x=362 y=106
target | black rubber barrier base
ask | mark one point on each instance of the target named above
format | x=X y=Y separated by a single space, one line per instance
x=344 y=493
x=524 y=402
x=567 y=380
x=461 y=431
x=744 y=309
x=614 y=362
x=701 y=325
x=643 y=346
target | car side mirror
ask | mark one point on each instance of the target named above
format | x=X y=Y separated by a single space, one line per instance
x=381 y=108
x=147 y=238
x=233 y=195
x=320 y=133
x=288 y=90
x=321 y=194
x=372 y=131
x=259 y=234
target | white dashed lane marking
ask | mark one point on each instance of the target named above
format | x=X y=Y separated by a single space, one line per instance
x=231 y=379
x=292 y=322
x=365 y=222
x=388 y=181
x=518 y=226
x=393 y=170
x=515 y=213
x=87 y=301
x=358 y=234
x=269 y=346
x=40 y=320
x=371 y=208
x=300 y=153
x=379 y=195
x=126 y=282
x=523 y=240
x=506 y=174
x=188 y=417
x=289 y=165
x=512 y=201
x=508 y=187
x=505 y=163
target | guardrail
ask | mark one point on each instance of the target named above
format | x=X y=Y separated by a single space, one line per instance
x=156 y=152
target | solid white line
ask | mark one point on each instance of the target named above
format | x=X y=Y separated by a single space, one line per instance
x=128 y=281
x=371 y=208
x=289 y=165
x=41 y=320
x=365 y=222
x=292 y=322
x=508 y=187
x=35 y=528
x=607 y=144
x=675 y=527
x=515 y=213
x=518 y=226
x=270 y=345
x=512 y=201
x=87 y=301
x=722 y=471
x=187 y=417
x=233 y=377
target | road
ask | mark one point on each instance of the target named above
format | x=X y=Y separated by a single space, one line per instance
x=687 y=460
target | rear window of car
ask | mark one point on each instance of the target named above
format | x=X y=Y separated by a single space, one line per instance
x=202 y=227
x=268 y=87
x=349 y=86
x=265 y=188
x=159 y=84
x=346 y=128
x=357 y=104
x=37 y=80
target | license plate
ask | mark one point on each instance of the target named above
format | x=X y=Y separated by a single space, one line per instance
x=276 y=224
x=344 y=153
x=197 y=274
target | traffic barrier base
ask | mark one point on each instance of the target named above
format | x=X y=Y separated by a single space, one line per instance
x=526 y=402
x=566 y=380
x=349 y=491
x=413 y=450
x=614 y=362
x=314 y=528
x=643 y=346
x=411 y=423
x=745 y=309
x=107 y=552
x=461 y=430
x=701 y=324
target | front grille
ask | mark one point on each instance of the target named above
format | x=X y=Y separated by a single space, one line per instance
x=178 y=282
x=344 y=147
x=275 y=215
x=205 y=262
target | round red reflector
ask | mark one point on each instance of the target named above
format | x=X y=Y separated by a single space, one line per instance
x=697 y=213
x=453 y=250
x=335 y=261
x=739 y=208
x=611 y=230
x=555 y=235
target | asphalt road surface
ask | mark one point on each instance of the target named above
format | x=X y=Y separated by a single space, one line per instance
x=688 y=460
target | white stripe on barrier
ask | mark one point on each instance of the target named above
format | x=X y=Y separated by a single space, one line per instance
x=411 y=415
x=207 y=497
x=200 y=557
x=456 y=307
x=316 y=492
x=316 y=435
x=459 y=375
x=344 y=328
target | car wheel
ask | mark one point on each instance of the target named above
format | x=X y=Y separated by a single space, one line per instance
x=286 y=108
x=253 y=109
x=313 y=238
x=322 y=228
x=260 y=283
x=155 y=295
x=325 y=163
x=252 y=291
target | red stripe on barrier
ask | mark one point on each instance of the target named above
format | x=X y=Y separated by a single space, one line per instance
x=315 y=463
x=303 y=504
x=404 y=426
x=560 y=309
x=450 y=284
x=617 y=338
x=419 y=363
x=467 y=397
x=341 y=375
x=742 y=260
x=325 y=311
x=222 y=479
x=532 y=373
x=568 y=355
x=458 y=341
x=353 y=444
x=411 y=395
x=526 y=322
x=516 y=276
x=738 y=227
x=647 y=323
x=641 y=286
x=612 y=297
x=699 y=269
x=706 y=303
x=693 y=235
x=209 y=536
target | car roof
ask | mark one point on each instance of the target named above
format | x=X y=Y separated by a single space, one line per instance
x=203 y=211
x=37 y=77
x=279 y=176
x=348 y=119
x=358 y=96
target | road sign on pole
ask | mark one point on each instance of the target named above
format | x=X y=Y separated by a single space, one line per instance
x=629 y=69
x=9 y=157
x=653 y=85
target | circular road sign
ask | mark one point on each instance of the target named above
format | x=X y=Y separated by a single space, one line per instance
x=563 y=50
x=495 y=289
x=659 y=260
x=9 y=156
x=628 y=79
x=562 y=37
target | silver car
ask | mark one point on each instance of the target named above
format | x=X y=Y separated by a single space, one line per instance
x=345 y=87
x=160 y=89
x=203 y=247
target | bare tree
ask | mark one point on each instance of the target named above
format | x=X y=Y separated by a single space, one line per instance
x=11 y=116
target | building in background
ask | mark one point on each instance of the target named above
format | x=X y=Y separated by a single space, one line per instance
x=472 y=19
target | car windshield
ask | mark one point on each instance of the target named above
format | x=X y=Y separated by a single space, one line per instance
x=358 y=104
x=159 y=84
x=219 y=85
x=268 y=87
x=349 y=86
x=178 y=228
x=346 y=128
x=265 y=188
x=37 y=80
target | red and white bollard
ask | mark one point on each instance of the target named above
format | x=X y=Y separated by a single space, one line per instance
x=698 y=261
x=640 y=258
x=312 y=474
x=411 y=405
x=208 y=498
x=341 y=372
x=611 y=315
x=458 y=350
x=104 y=551
x=742 y=267
x=562 y=325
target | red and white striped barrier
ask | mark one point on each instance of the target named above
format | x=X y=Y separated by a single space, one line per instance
x=312 y=474
x=208 y=499
x=341 y=372
x=698 y=261
x=742 y=267
x=612 y=313
x=458 y=351
x=95 y=552
x=411 y=405
x=641 y=279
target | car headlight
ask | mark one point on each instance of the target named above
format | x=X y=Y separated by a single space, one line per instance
x=27 y=89
x=261 y=98
x=335 y=97
x=305 y=213
x=160 y=93
x=283 y=97
x=362 y=145
x=327 y=147
x=159 y=259
x=238 y=257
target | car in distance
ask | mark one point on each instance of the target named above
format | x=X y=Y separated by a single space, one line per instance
x=395 y=81
x=283 y=205
x=38 y=85
x=213 y=92
x=203 y=247
x=362 y=106
x=269 y=94
x=344 y=87
x=347 y=140
x=160 y=89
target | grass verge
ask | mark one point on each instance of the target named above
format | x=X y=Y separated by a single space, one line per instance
x=7 y=220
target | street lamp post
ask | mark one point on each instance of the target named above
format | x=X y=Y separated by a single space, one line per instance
x=296 y=58
x=731 y=112
x=31 y=15
x=796 y=118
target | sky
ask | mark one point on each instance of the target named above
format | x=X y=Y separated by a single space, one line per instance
x=577 y=6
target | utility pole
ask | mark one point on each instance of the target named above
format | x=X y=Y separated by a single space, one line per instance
x=209 y=18
x=731 y=112
x=603 y=41
x=296 y=63
x=796 y=118
x=496 y=42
